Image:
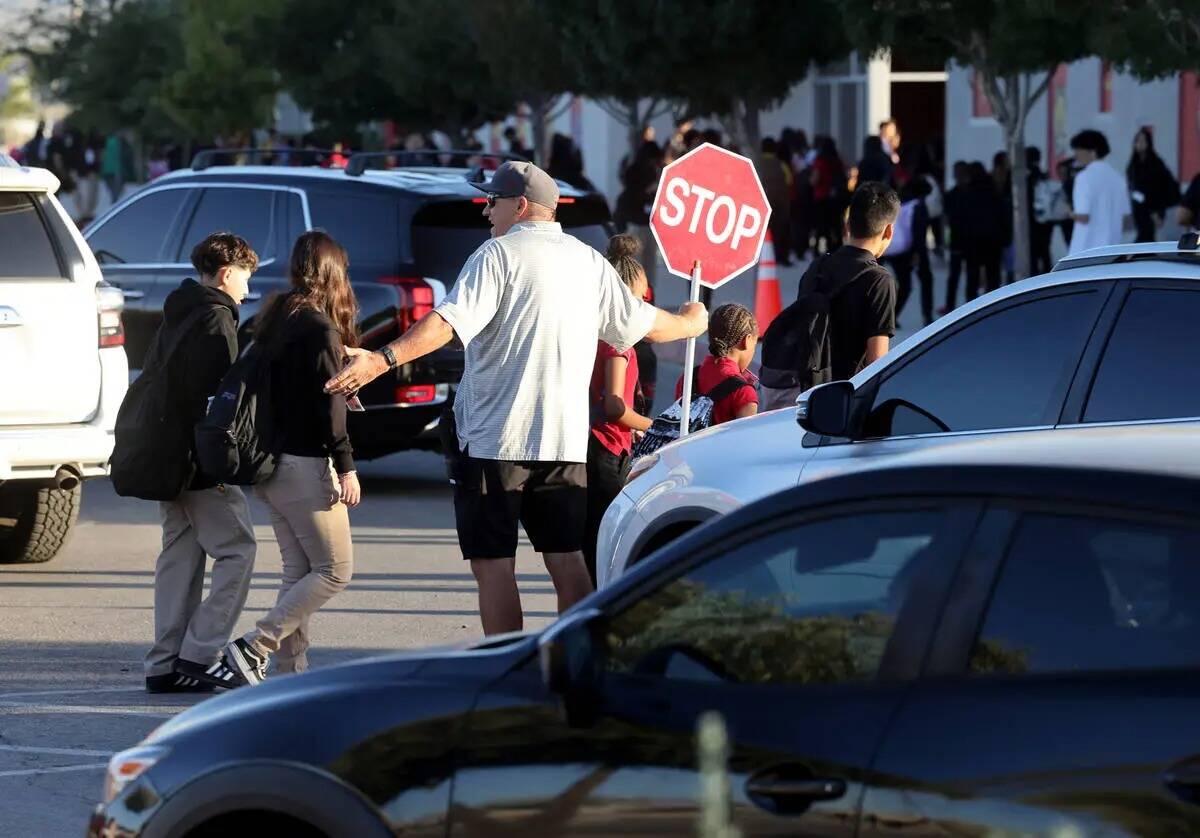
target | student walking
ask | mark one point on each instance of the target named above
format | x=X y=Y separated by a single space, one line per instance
x=529 y=307
x=613 y=394
x=985 y=229
x=1100 y=197
x=1039 y=228
x=732 y=339
x=1152 y=187
x=827 y=175
x=207 y=519
x=956 y=221
x=909 y=249
x=302 y=333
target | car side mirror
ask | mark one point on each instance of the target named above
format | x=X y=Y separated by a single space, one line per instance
x=825 y=409
x=571 y=665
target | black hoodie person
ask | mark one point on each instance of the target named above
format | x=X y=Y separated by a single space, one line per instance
x=207 y=519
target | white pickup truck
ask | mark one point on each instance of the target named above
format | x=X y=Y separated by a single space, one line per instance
x=63 y=370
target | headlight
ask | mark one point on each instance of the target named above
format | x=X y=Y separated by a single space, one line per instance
x=640 y=466
x=127 y=766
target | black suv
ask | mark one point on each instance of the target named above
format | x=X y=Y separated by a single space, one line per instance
x=408 y=231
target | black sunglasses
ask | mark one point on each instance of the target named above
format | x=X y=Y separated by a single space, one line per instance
x=493 y=197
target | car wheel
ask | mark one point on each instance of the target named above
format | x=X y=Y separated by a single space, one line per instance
x=255 y=823
x=35 y=522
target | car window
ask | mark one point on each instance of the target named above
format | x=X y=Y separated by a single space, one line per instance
x=135 y=235
x=245 y=212
x=810 y=604
x=24 y=240
x=1010 y=369
x=1145 y=371
x=366 y=224
x=1089 y=593
x=295 y=217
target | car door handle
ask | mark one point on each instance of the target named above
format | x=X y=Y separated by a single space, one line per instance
x=791 y=790
x=10 y=317
x=131 y=294
x=818 y=788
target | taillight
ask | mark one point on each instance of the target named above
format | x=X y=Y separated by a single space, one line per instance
x=109 y=304
x=410 y=394
x=415 y=299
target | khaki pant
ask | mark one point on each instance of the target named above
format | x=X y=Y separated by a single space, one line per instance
x=313 y=529
x=215 y=522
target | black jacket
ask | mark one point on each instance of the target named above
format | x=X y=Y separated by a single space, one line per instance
x=204 y=356
x=306 y=352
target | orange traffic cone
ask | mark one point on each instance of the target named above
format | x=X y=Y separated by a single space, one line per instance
x=767 y=300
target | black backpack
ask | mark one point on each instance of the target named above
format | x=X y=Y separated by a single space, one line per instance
x=152 y=450
x=667 y=425
x=797 y=350
x=235 y=441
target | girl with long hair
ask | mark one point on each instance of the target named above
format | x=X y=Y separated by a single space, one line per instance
x=302 y=333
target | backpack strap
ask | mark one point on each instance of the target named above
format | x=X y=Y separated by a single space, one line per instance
x=727 y=388
x=163 y=355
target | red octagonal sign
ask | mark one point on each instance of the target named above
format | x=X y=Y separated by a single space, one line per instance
x=710 y=207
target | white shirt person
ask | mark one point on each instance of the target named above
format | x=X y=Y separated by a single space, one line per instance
x=1100 y=196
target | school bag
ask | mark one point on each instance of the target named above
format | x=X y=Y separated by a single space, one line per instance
x=235 y=441
x=152 y=444
x=665 y=428
x=797 y=350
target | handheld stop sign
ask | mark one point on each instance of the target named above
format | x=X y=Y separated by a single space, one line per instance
x=709 y=218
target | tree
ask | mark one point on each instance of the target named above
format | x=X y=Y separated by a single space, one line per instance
x=108 y=61
x=1013 y=46
x=739 y=57
x=414 y=62
x=226 y=84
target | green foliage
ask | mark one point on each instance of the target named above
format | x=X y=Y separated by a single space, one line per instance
x=415 y=62
x=109 y=62
x=1151 y=38
x=226 y=84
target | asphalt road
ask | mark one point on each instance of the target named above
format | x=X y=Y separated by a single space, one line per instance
x=73 y=631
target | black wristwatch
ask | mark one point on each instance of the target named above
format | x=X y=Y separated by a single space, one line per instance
x=389 y=356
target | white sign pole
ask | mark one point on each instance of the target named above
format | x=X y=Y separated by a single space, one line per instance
x=689 y=358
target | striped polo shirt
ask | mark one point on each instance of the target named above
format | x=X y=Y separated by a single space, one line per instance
x=529 y=307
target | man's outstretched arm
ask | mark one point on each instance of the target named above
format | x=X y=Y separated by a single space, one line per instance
x=430 y=333
x=690 y=322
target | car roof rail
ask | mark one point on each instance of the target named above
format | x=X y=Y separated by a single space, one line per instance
x=425 y=157
x=213 y=156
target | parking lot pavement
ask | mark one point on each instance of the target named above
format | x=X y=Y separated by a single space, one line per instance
x=73 y=631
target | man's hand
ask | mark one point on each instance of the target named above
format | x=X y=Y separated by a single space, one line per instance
x=364 y=367
x=697 y=318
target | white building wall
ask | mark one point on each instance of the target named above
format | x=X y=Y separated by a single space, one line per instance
x=1134 y=104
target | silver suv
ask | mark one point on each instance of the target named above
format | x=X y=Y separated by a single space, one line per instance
x=1107 y=338
x=63 y=370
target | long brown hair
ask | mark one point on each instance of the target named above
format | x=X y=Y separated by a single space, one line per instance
x=320 y=281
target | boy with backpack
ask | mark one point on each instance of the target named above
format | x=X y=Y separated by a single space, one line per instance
x=845 y=315
x=194 y=348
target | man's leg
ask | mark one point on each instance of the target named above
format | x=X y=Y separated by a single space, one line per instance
x=570 y=576
x=178 y=584
x=221 y=521
x=499 y=599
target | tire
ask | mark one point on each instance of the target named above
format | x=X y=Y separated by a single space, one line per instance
x=35 y=522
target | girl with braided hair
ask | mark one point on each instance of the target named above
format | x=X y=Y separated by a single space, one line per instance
x=614 y=383
x=732 y=339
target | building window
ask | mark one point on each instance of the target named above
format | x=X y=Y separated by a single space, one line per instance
x=1106 y=87
x=981 y=108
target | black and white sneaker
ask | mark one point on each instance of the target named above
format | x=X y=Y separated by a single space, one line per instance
x=248 y=661
x=176 y=682
x=217 y=674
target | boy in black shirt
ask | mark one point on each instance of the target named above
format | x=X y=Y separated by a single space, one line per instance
x=207 y=519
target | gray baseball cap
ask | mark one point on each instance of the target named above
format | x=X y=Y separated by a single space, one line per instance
x=519 y=178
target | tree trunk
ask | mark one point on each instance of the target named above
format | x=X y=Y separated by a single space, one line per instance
x=744 y=126
x=1018 y=108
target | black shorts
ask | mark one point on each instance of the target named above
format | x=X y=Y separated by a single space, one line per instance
x=492 y=496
